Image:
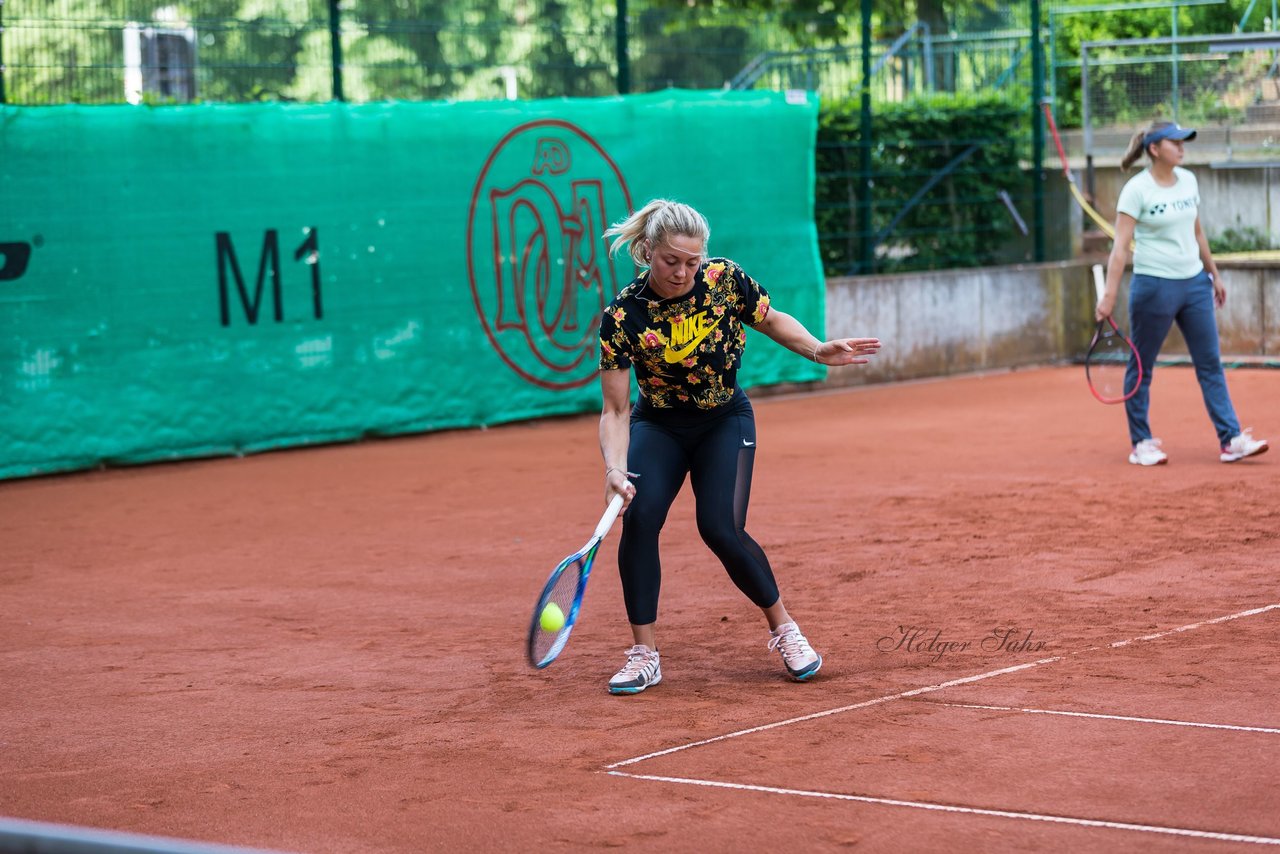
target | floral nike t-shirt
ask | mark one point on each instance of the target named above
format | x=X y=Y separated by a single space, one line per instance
x=685 y=350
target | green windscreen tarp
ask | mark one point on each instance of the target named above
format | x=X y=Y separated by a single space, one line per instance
x=200 y=280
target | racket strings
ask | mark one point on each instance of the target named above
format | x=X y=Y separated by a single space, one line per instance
x=562 y=592
x=557 y=608
x=1107 y=366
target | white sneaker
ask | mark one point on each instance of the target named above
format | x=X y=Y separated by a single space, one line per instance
x=798 y=657
x=1243 y=446
x=1148 y=453
x=641 y=671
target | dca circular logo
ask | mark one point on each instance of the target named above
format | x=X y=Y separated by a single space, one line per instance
x=540 y=270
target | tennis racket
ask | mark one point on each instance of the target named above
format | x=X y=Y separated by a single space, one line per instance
x=1107 y=362
x=557 y=609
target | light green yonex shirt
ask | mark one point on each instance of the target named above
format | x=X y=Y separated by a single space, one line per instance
x=1165 y=236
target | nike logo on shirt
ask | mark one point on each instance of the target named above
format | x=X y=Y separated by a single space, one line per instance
x=692 y=330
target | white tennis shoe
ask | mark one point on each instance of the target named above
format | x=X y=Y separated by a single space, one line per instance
x=1243 y=446
x=1148 y=453
x=641 y=671
x=797 y=656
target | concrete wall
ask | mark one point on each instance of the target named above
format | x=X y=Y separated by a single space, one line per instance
x=961 y=321
x=1249 y=325
x=1230 y=198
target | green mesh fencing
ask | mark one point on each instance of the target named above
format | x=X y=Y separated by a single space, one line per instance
x=203 y=280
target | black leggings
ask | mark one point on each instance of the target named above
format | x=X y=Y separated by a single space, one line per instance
x=717 y=450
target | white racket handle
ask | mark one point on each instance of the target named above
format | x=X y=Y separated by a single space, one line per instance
x=1099 y=281
x=610 y=515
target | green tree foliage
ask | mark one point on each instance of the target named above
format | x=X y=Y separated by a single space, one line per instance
x=960 y=221
x=72 y=50
x=573 y=55
x=820 y=23
x=809 y=23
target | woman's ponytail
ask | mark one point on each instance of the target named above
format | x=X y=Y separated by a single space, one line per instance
x=652 y=225
x=1136 y=145
x=1134 y=151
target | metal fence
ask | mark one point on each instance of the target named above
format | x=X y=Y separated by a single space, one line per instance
x=306 y=50
x=916 y=63
x=113 y=51
x=161 y=51
x=1226 y=85
x=76 y=51
x=1221 y=78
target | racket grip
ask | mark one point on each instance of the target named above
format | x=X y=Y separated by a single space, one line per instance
x=610 y=515
x=1099 y=281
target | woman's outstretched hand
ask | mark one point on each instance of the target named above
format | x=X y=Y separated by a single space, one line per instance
x=846 y=351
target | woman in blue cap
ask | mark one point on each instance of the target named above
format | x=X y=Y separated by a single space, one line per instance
x=1174 y=280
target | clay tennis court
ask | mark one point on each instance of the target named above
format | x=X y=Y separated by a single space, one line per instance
x=322 y=650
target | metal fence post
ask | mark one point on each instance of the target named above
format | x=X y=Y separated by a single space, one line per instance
x=1086 y=121
x=1037 y=128
x=335 y=41
x=624 y=58
x=866 y=230
x=931 y=82
x=1175 y=60
x=1053 y=60
x=2 y=52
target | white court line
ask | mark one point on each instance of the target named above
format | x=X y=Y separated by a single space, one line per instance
x=1227 y=618
x=931 y=688
x=1106 y=717
x=925 y=805
x=912 y=693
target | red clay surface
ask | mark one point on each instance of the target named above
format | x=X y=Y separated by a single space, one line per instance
x=321 y=650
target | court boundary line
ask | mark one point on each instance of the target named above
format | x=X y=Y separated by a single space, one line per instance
x=951 y=683
x=951 y=808
x=1129 y=718
x=852 y=707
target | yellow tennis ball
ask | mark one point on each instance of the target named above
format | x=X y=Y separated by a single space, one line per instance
x=552 y=618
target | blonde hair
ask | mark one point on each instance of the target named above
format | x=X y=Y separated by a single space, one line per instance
x=650 y=226
x=1136 y=148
